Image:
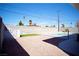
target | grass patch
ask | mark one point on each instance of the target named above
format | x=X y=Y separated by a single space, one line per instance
x=25 y=35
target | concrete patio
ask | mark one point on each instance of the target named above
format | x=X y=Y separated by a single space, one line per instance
x=36 y=47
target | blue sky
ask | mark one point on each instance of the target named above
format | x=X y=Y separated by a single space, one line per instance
x=39 y=13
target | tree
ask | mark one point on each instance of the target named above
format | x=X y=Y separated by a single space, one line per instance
x=54 y=26
x=20 y=23
x=62 y=25
x=46 y=26
x=30 y=22
x=77 y=24
x=71 y=23
x=35 y=24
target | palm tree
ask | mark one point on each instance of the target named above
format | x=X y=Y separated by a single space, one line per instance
x=30 y=22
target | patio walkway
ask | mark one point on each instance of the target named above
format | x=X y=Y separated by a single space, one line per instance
x=35 y=46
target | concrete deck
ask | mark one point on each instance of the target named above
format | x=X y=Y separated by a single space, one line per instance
x=36 y=47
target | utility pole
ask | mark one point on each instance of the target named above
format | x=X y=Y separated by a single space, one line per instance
x=58 y=22
x=78 y=30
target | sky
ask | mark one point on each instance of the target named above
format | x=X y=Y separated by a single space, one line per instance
x=39 y=13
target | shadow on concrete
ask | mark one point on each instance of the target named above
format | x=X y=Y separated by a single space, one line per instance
x=58 y=40
x=10 y=46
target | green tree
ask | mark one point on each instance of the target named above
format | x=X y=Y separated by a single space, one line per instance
x=20 y=23
x=54 y=26
x=62 y=25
